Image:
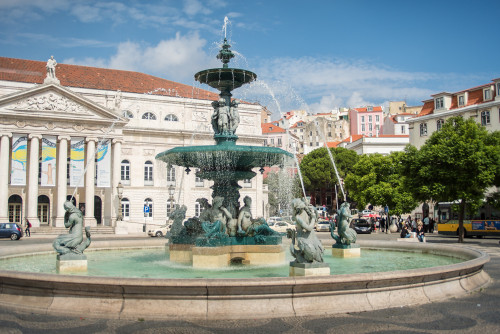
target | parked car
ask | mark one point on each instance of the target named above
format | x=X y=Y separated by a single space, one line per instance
x=281 y=226
x=273 y=220
x=159 y=231
x=361 y=225
x=11 y=230
x=322 y=226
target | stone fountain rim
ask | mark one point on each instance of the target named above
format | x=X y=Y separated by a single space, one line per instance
x=213 y=299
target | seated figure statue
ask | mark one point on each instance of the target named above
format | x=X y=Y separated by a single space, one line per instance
x=346 y=234
x=73 y=242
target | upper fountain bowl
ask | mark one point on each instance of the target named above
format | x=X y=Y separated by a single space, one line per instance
x=225 y=79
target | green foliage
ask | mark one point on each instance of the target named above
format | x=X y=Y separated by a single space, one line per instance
x=317 y=170
x=458 y=162
x=376 y=179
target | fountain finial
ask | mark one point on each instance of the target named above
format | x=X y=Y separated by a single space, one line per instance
x=225 y=54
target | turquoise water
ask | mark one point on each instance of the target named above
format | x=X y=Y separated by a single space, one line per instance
x=154 y=263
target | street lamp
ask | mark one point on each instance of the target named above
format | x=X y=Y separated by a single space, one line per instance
x=171 y=192
x=119 y=190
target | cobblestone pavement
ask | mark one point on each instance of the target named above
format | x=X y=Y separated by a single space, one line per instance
x=476 y=313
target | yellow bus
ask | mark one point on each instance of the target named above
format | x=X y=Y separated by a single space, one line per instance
x=486 y=222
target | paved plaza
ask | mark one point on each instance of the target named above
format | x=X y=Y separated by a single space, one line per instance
x=476 y=313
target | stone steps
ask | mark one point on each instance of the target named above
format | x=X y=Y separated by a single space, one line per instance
x=50 y=230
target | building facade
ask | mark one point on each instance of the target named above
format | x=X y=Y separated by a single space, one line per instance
x=366 y=121
x=83 y=132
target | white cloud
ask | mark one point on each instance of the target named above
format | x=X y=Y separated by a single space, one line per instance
x=175 y=59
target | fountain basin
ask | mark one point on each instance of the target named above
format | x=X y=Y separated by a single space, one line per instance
x=132 y=298
x=223 y=78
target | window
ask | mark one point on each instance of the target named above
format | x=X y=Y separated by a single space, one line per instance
x=403 y=129
x=171 y=118
x=498 y=89
x=279 y=142
x=423 y=129
x=170 y=207
x=377 y=118
x=369 y=108
x=128 y=114
x=439 y=124
x=485 y=117
x=149 y=115
x=369 y=119
x=148 y=173
x=370 y=127
x=272 y=141
x=198 y=181
x=461 y=100
x=170 y=175
x=197 y=209
x=125 y=208
x=148 y=208
x=439 y=103
x=247 y=183
x=265 y=142
x=487 y=94
x=362 y=128
x=329 y=134
x=125 y=170
x=362 y=119
x=310 y=133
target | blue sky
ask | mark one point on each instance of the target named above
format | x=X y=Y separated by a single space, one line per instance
x=313 y=55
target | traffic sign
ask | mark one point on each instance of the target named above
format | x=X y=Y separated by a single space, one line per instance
x=146 y=208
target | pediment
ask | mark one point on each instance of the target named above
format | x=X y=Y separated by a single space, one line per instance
x=54 y=101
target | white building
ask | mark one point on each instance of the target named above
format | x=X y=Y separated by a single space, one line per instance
x=383 y=144
x=137 y=114
x=480 y=103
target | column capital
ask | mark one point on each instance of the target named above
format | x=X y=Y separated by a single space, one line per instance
x=89 y=139
x=59 y=138
x=6 y=134
x=117 y=141
x=35 y=135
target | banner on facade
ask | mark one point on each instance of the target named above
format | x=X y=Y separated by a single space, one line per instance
x=49 y=161
x=104 y=164
x=19 y=159
x=77 y=164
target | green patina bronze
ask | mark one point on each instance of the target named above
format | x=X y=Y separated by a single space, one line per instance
x=225 y=163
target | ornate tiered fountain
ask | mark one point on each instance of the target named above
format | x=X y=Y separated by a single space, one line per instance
x=223 y=223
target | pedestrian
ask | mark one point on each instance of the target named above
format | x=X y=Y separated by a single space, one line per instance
x=414 y=225
x=382 y=225
x=426 y=224
x=27 y=231
x=420 y=233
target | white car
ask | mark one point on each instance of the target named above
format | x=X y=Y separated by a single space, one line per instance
x=159 y=231
x=281 y=226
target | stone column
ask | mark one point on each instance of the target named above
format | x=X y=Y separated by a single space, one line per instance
x=32 y=202
x=62 y=181
x=89 y=219
x=4 y=176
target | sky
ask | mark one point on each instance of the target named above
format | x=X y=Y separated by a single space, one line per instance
x=313 y=55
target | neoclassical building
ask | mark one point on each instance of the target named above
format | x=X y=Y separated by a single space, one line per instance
x=83 y=132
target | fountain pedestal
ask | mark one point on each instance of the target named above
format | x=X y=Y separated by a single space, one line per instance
x=71 y=263
x=309 y=269
x=346 y=251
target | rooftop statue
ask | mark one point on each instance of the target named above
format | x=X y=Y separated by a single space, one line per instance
x=73 y=242
x=308 y=248
x=51 y=71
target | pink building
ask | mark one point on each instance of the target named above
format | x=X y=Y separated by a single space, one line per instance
x=366 y=121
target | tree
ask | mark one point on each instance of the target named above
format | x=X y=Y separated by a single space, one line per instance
x=317 y=170
x=377 y=179
x=457 y=163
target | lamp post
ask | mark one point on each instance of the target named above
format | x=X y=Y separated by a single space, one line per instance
x=119 y=190
x=171 y=192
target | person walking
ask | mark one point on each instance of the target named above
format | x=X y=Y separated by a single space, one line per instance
x=27 y=231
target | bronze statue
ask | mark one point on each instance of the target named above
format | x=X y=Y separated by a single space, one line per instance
x=73 y=242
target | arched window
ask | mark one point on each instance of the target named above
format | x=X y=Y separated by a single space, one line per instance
x=125 y=171
x=149 y=115
x=171 y=118
x=170 y=175
x=125 y=208
x=128 y=114
x=148 y=173
x=148 y=208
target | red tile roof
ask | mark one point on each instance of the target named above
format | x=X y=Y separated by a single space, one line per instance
x=271 y=128
x=31 y=71
x=331 y=144
x=379 y=108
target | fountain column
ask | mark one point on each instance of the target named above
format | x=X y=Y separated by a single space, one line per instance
x=4 y=177
x=32 y=202
x=62 y=181
x=89 y=219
